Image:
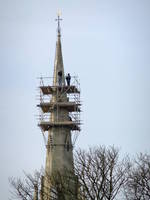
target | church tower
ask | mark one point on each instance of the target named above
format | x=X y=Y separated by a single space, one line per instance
x=60 y=115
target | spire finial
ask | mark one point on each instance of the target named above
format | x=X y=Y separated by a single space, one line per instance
x=58 y=21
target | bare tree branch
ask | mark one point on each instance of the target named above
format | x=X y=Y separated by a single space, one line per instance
x=138 y=184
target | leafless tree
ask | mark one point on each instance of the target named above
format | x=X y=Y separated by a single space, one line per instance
x=58 y=186
x=98 y=175
x=101 y=175
x=138 y=184
x=32 y=187
x=24 y=189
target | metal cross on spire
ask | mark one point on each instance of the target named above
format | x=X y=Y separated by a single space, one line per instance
x=58 y=21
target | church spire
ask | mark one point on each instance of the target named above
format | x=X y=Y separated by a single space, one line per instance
x=58 y=65
x=59 y=117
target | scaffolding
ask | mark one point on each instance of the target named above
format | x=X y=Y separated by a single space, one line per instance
x=47 y=105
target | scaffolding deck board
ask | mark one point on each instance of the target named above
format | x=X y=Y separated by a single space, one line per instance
x=70 y=106
x=46 y=90
x=70 y=124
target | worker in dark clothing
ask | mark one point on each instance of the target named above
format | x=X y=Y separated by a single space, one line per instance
x=70 y=119
x=60 y=78
x=68 y=79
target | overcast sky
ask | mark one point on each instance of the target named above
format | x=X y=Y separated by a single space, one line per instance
x=106 y=43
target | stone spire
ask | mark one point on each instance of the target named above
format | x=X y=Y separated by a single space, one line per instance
x=62 y=117
x=58 y=158
x=58 y=65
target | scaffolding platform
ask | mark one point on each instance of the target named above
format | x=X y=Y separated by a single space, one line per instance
x=70 y=106
x=48 y=90
x=46 y=125
x=60 y=107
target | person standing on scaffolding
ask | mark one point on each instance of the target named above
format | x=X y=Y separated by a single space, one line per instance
x=68 y=79
x=60 y=78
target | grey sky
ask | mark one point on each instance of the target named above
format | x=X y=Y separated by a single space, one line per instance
x=107 y=43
